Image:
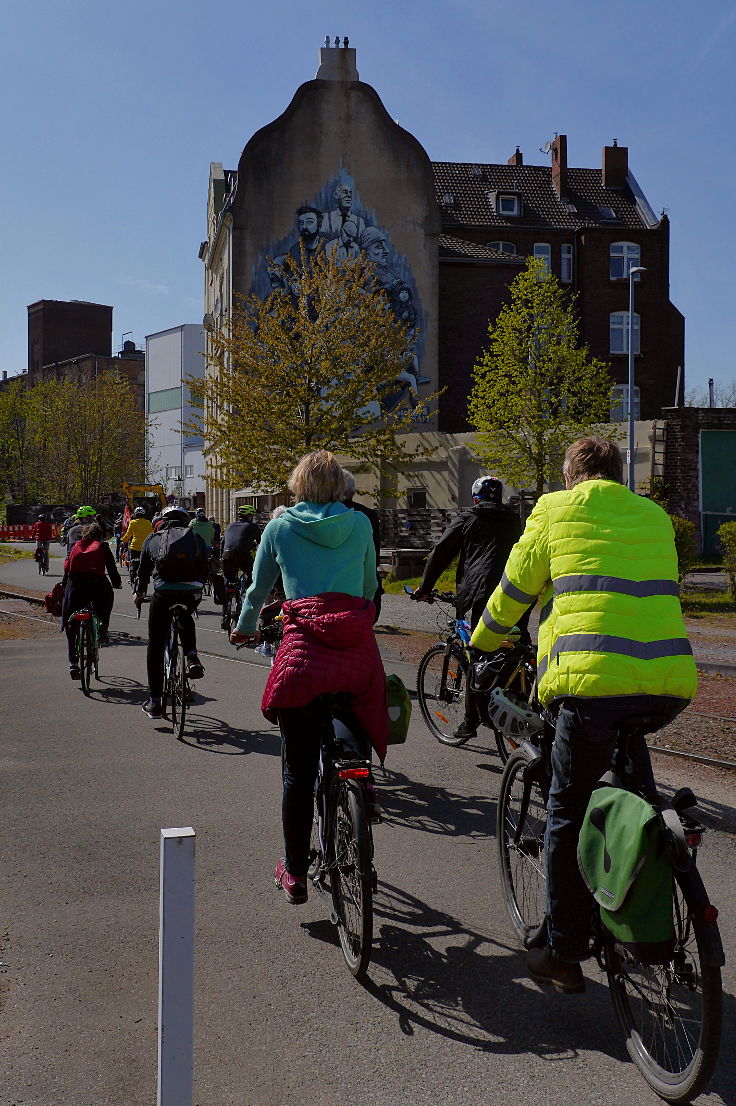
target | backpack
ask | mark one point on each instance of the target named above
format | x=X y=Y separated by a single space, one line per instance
x=89 y=558
x=53 y=601
x=176 y=555
x=399 y=710
x=624 y=859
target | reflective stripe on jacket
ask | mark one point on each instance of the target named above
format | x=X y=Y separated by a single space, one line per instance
x=603 y=562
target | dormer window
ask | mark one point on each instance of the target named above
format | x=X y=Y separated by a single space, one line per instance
x=448 y=199
x=502 y=247
x=508 y=203
x=607 y=215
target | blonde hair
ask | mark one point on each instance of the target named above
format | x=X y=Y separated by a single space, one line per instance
x=317 y=478
x=593 y=459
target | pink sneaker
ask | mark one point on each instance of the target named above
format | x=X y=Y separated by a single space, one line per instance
x=294 y=889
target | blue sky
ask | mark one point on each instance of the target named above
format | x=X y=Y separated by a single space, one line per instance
x=113 y=113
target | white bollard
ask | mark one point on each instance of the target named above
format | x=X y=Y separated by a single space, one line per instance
x=176 y=968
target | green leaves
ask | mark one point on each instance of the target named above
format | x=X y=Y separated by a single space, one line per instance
x=534 y=390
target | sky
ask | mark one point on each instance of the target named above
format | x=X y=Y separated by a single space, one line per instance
x=113 y=112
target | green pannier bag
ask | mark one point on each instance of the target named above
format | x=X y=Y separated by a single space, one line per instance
x=399 y=710
x=624 y=860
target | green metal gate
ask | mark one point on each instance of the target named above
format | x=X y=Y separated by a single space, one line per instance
x=717 y=483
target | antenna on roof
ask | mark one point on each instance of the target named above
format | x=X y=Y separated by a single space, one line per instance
x=547 y=146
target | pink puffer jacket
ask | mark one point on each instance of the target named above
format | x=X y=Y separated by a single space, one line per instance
x=329 y=646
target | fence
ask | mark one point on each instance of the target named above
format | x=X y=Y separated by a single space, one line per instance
x=21 y=533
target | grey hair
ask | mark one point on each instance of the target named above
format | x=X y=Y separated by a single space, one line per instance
x=349 y=483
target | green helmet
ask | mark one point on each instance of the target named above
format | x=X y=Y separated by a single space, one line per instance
x=86 y=512
x=246 y=510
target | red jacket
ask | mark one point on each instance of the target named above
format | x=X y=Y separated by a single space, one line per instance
x=42 y=531
x=329 y=646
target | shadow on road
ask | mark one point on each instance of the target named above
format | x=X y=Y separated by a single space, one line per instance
x=212 y=735
x=434 y=809
x=119 y=689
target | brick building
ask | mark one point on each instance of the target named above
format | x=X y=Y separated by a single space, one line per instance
x=588 y=226
x=72 y=339
x=699 y=472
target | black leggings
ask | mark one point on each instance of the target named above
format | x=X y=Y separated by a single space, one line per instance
x=159 y=620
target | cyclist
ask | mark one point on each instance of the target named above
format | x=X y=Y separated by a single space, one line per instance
x=86 y=564
x=202 y=526
x=177 y=559
x=482 y=538
x=137 y=530
x=66 y=525
x=83 y=517
x=238 y=550
x=327 y=561
x=42 y=532
x=375 y=529
x=612 y=646
x=117 y=533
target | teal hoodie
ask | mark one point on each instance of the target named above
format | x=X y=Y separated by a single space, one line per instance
x=317 y=548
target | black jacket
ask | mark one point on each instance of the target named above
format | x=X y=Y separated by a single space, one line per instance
x=483 y=537
x=372 y=517
x=241 y=537
x=150 y=550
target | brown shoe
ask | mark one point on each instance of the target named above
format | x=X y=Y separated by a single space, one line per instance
x=545 y=967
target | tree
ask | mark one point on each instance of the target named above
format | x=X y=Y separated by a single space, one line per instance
x=535 y=391
x=321 y=363
x=64 y=442
x=724 y=395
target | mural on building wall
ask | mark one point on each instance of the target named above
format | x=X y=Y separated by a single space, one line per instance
x=337 y=223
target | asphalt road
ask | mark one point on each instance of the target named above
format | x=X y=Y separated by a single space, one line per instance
x=447 y=1016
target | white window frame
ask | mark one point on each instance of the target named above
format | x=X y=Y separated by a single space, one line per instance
x=501 y=246
x=512 y=199
x=618 y=332
x=566 y=259
x=620 y=403
x=624 y=256
x=543 y=251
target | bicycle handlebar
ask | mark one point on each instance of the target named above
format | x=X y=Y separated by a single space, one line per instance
x=433 y=596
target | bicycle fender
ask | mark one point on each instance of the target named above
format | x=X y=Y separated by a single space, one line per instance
x=530 y=751
x=692 y=882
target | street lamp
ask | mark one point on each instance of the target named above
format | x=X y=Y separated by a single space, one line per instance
x=634 y=269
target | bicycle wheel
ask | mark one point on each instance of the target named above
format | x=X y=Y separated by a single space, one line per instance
x=521 y=822
x=441 y=689
x=86 y=655
x=181 y=693
x=352 y=878
x=671 y=1013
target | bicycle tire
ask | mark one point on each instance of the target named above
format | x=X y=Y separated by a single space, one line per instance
x=86 y=656
x=352 y=878
x=522 y=820
x=181 y=692
x=441 y=681
x=671 y=1014
x=170 y=676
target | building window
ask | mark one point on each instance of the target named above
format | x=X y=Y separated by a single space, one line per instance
x=624 y=256
x=168 y=399
x=189 y=470
x=543 y=251
x=416 y=497
x=566 y=264
x=504 y=247
x=620 y=403
x=508 y=204
x=619 y=332
x=173 y=472
x=448 y=199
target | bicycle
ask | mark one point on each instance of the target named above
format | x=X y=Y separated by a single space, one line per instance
x=670 y=1013
x=133 y=560
x=177 y=689
x=444 y=670
x=42 y=558
x=234 y=596
x=86 y=645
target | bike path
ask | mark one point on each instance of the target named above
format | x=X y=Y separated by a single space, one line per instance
x=448 y=1015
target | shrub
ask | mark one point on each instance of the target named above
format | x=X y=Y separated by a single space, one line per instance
x=726 y=534
x=684 y=543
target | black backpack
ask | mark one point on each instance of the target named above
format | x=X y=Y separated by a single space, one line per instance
x=176 y=556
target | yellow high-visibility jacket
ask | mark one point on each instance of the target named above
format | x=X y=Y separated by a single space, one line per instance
x=603 y=563
x=137 y=532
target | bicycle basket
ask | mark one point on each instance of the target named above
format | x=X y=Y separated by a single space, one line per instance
x=512 y=717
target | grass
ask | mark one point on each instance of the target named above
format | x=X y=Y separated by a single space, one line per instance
x=8 y=553
x=700 y=603
x=446 y=582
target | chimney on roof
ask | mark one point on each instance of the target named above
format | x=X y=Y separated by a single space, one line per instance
x=558 y=148
x=615 y=168
x=517 y=158
x=337 y=63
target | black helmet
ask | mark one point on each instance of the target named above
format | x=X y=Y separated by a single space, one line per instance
x=175 y=514
x=487 y=488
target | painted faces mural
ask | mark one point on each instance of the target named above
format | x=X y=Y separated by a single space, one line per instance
x=337 y=223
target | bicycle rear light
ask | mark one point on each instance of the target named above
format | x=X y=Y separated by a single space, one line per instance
x=354 y=773
x=694 y=839
x=82 y=616
x=710 y=913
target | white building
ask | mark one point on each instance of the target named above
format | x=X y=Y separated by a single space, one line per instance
x=174 y=458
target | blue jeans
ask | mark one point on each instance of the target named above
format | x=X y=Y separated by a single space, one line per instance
x=585 y=739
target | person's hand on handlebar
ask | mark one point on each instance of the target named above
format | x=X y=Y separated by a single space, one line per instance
x=421 y=596
x=244 y=639
x=138 y=600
